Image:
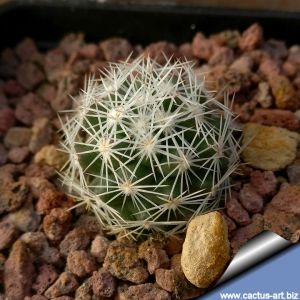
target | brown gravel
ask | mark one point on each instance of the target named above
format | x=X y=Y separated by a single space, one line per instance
x=65 y=255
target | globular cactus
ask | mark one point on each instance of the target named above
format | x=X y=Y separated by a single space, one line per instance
x=148 y=147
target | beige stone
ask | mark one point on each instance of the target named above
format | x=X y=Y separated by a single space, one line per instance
x=268 y=148
x=51 y=156
x=206 y=250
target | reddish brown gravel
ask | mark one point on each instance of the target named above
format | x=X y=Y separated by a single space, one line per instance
x=62 y=254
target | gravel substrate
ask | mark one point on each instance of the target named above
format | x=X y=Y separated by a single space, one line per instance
x=48 y=252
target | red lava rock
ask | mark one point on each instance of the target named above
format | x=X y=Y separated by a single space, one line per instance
x=115 y=49
x=29 y=75
x=276 y=117
x=221 y=55
x=230 y=223
x=12 y=88
x=174 y=244
x=269 y=67
x=282 y=213
x=155 y=257
x=57 y=223
x=17 y=137
x=201 y=46
x=38 y=185
x=90 y=51
x=90 y=224
x=46 y=276
x=38 y=244
x=229 y=38
x=18 y=272
x=54 y=64
x=9 y=173
x=41 y=134
x=77 y=239
x=185 y=51
x=7 y=119
x=71 y=43
x=32 y=107
x=160 y=51
x=41 y=171
x=264 y=182
x=3 y=155
x=13 y=197
x=289 y=69
x=84 y=292
x=288 y=199
x=293 y=172
x=99 y=247
x=234 y=81
x=103 y=283
x=146 y=291
x=122 y=261
x=275 y=48
x=64 y=285
x=243 y=64
x=26 y=49
x=25 y=218
x=243 y=234
x=166 y=279
x=47 y=92
x=50 y=199
x=183 y=289
x=235 y=211
x=250 y=199
x=251 y=37
x=81 y=263
x=8 y=234
x=18 y=154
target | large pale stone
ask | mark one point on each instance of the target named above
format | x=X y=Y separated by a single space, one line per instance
x=267 y=147
x=206 y=250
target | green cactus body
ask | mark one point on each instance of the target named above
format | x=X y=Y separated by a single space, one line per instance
x=148 y=147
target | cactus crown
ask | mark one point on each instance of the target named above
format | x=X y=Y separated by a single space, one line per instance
x=148 y=147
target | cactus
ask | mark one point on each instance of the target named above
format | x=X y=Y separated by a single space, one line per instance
x=149 y=147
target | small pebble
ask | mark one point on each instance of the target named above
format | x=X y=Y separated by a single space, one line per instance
x=64 y=285
x=56 y=224
x=18 y=154
x=46 y=276
x=17 y=137
x=81 y=263
x=99 y=247
x=115 y=49
x=103 y=283
x=235 y=211
x=122 y=261
x=250 y=199
x=76 y=239
x=206 y=250
x=251 y=38
x=18 y=272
